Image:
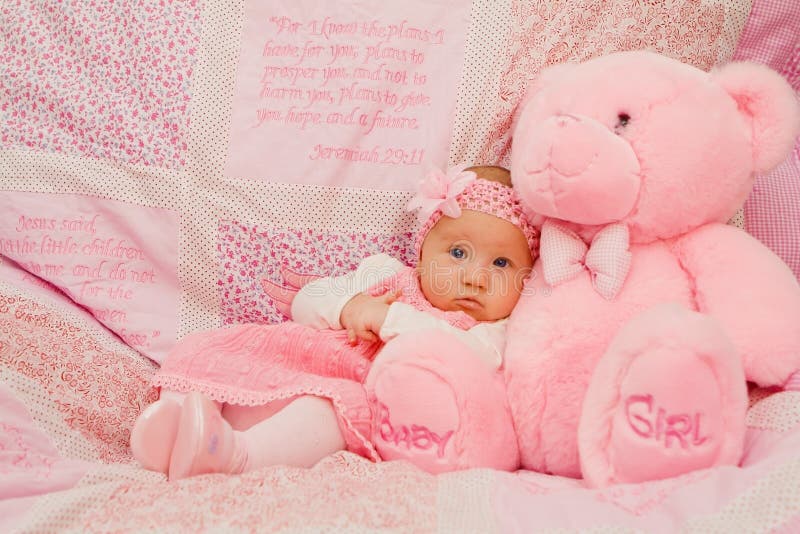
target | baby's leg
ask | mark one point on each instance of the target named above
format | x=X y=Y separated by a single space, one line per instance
x=170 y=395
x=305 y=431
x=243 y=417
x=302 y=433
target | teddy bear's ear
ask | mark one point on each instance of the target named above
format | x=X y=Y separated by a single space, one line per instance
x=534 y=86
x=768 y=101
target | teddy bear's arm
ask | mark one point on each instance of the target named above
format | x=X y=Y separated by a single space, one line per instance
x=751 y=292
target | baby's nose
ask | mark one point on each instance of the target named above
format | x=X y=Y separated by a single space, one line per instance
x=476 y=276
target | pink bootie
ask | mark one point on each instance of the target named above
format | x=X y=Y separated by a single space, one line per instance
x=205 y=442
x=153 y=434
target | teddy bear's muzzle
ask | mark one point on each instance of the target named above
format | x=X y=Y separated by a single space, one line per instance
x=575 y=168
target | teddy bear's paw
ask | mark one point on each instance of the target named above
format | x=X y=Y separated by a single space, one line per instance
x=439 y=407
x=668 y=397
x=410 y=424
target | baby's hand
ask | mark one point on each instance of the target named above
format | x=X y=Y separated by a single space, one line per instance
x=363 y=316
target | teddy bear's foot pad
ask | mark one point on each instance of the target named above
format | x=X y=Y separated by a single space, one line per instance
x=440 y=407
x=668 y=397
x=417 y=417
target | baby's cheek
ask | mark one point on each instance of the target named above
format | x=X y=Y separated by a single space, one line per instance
x=514 y=281
x=503 y=288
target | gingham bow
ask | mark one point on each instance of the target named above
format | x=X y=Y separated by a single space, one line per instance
x=565 y=255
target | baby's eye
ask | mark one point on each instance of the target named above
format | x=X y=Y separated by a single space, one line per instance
x=500 y=262
x=458 y=253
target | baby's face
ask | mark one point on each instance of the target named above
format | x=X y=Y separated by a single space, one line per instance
x=476 y=263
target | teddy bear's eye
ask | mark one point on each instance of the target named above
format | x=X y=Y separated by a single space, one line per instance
x=622 y=121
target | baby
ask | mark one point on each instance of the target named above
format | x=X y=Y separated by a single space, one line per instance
x=291 y=394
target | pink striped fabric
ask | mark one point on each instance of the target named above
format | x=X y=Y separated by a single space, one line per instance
x=772 y=213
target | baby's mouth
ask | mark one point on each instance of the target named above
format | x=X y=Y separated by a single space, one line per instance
x=468 y=303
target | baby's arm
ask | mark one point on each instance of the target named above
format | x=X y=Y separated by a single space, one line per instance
x=363 y=316
x=487 y=339
x=319 y=304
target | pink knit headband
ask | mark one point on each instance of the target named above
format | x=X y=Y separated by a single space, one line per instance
x=448 y=193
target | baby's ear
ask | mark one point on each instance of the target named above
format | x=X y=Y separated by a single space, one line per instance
x=768 y=102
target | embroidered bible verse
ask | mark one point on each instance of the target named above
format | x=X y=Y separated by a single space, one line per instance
x=117 y=260
x=355 y=94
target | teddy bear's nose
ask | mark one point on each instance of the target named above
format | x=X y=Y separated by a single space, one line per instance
x=572 y=167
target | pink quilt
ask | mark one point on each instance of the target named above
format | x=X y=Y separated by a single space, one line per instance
x=71 y=392
x=160 y=160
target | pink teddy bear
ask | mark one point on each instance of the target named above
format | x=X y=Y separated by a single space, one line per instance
x=628 y=359
x=627 y=356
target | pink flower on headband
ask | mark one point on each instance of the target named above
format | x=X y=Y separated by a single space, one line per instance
x=438 y=191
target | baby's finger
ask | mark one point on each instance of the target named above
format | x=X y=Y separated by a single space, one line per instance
x=367 y=335
x=352 y=338
x=389 y=298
